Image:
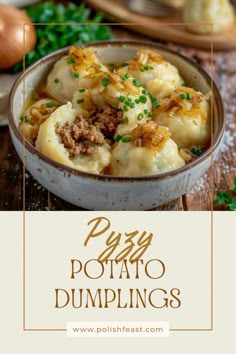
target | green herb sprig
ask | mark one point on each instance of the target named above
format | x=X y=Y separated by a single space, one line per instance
x=54 y=36
x=227 y=198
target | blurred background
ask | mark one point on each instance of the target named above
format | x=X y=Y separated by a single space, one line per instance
x=142 y=20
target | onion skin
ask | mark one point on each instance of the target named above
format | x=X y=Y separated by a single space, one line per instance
x=15 y=38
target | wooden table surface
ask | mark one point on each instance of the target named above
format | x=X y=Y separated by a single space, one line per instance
x=198 y=198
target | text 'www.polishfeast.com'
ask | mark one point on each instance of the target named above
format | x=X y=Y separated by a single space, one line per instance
x=117 y=329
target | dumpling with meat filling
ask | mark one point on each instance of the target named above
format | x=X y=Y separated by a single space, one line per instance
x=63 y=80
x=34 y=116
x=105 y=118
x=70 y=140
x=186 y=113
x=148 y=150
x=123 y=93
x=158 y=76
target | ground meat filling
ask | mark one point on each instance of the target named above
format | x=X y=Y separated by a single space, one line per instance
x=80 y=136
x=106 y=119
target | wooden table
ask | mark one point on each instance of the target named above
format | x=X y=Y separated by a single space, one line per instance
x=198 y=198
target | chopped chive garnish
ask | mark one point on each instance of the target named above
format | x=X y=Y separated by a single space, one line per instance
x=121 y=99
x=71 y=61
x=81 y=90
x=81 y=100
x=105 y=81
x=127 y=103
x=111 y=64
x=126 y=139
x=140 y=116
x=24 y=119
x=125 y=64
x=137 y=100
x=132 y=105
x=150 y=114
x=143 y=99
x=152 y=98
x=136 y=83
x=188 y=96
x=95 y=77
x=185 y=95
x=146 y=111
x=126 y=120
x=144 y=92
x=125 y=108
x=146 y=67
x=156 y=104
x=49 y=104
x=76 y=75
x=118 y=137
x=125 y=76
x=56 y=81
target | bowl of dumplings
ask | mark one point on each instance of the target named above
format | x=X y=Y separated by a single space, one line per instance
x=116 y=125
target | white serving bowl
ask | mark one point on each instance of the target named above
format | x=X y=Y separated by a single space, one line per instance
x=105 y=192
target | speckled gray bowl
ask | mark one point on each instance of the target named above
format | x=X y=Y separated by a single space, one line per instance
x=103 y=192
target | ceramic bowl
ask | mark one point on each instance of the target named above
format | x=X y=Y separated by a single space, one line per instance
x=103 y=192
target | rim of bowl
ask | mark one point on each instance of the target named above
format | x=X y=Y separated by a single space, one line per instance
x=103 y=177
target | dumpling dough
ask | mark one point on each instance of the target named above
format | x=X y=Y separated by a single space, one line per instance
x=120 y=92
x=34 y=116
x=63 y=80
x=220 y=13
x=150 y=151
x=158 y=76
x=49 y=143
x=186 y=113
x=82 y=102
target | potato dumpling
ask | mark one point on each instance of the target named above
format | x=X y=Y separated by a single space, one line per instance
x=122 y=92
x=220 y=13
x=71 y=143
x=186 y=113
x=63 y=80
x=34 y=116
x=148 y=150
x=154 y=72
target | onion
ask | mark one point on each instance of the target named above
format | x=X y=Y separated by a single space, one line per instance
x=13 y=42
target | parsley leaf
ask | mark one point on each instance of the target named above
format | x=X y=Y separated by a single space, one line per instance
x=227 y=198
x=56 y=34
x=222 y=198
x=232 y=205
x=234 y=189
